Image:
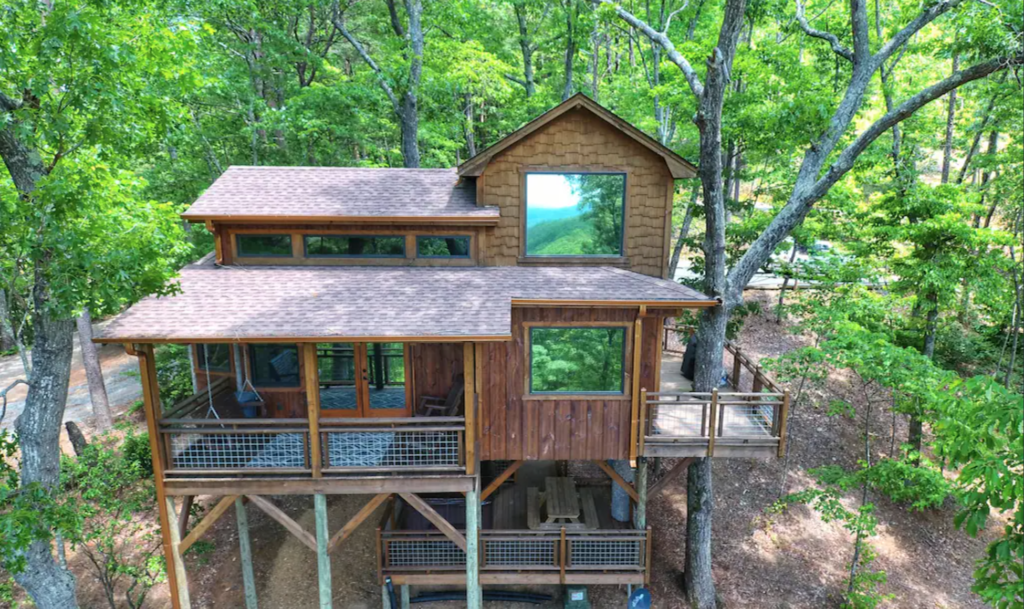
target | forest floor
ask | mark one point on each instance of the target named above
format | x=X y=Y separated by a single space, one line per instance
x=771 y=561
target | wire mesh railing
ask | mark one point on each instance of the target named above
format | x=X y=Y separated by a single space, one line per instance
x=423 y=444
x=235 y=445
x=518 y=551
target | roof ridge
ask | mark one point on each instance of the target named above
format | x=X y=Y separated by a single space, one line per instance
x=297 y=167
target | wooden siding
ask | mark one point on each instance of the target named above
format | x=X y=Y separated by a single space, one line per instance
x=515 y=428
x=433 y=369
x=226 y=243
x=579 y=141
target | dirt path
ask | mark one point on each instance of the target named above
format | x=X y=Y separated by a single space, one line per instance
x=120 y=375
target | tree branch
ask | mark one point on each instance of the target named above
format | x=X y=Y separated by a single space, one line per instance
x=668 y=20
x=829 y=37
x=662 y=40
x=339 y=24
x=805 y=196
x=927 y=16
x=7 y=104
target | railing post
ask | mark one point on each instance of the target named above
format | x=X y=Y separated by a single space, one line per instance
x=643 y=420
x=783 y=416
x=737 y=368
x=562 y=558
x=758 y=383
x=312 y=379
x=711 y=422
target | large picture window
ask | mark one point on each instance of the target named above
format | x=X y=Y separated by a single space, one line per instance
x=349 y=246
x=264 y=246
x=574 y=214
x=577 y=360
x=274 y=365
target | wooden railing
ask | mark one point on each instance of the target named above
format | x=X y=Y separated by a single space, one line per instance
x=520 y=551
x=210 y=446
x=723 y=424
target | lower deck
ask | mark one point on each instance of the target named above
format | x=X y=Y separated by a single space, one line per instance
x=516 y=544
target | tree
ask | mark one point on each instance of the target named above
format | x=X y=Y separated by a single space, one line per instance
x=93 y=372
x=77 y=233
x=823 y=164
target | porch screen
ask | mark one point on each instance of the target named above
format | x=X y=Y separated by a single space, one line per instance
x=219 y=357
x=574 y=214
x=274 y=365
x=577 y=360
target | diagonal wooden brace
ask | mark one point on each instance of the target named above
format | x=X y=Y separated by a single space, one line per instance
x=436 y=519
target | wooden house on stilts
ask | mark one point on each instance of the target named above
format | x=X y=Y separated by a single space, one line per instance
x=425 y=337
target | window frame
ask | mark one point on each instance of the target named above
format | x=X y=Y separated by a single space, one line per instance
x=307 y=236
x=240 y=254
x=252 y=365
x=627 y=361
x=591 y=257
x=467 y=256
x=200 y=359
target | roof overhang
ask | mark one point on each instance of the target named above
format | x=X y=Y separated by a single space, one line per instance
x=430 y=220
x=679 y=167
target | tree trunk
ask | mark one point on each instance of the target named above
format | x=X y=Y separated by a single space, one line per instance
x=93 y=372
x=700 y=506
x=570 y=48
x=785 y=284
x=467 y=126
x=684 y=230
x=76 y=437
x=6 y=327
x=410 y=118
x=50 y=585
x=527 y=49
x=947 y=147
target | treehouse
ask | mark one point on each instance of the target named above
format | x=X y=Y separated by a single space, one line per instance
x=451 y=342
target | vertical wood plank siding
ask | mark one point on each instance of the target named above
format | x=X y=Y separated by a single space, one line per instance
x=579 y=141
x=514 y=428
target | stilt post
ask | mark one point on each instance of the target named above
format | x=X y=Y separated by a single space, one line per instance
x=640 y=514
x=323 y=559
x=405 y=596
x=245 y=550
x=474 y=595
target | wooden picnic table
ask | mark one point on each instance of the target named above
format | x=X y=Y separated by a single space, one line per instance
x=562 y=502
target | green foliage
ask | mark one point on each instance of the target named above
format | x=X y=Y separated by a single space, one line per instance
x=138 y=453
x=173 y=373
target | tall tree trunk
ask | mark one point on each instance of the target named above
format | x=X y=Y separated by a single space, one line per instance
x=947 y=147
x=915 y=431
x=684 y=231
x=93 y=372
x=785 y=284
x=50 y=585
x=410 y=117
x=527 y=49
x=570 y=47
x=468 y=125
x=6 y=327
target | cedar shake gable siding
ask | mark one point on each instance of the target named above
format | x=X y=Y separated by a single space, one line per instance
x=580 y=141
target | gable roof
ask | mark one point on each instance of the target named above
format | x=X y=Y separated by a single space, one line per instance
x=333 y=194
x=311 y=304
x=677 y=165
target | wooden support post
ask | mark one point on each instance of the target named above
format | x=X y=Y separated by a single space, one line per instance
x=245 y=550
x=323 y=559
x=783 y=420
x=634 y=420
x=312 y=379
x=385 y=597
x=640 y=480
x=474 y=595
x=737 y=368
x=712 y=419
x=176 y=577
x=758 y=383
x=469 y=374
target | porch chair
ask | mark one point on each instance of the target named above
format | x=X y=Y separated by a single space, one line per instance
x=444 y=407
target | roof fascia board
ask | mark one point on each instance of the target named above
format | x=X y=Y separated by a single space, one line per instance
x=447 y=220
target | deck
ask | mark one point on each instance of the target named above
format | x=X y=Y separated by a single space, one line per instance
x=412 y=551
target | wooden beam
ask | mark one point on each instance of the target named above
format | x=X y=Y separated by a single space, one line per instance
x=293 y=527
x=497 y=482
x=356 y=520
x=323 y=559
x=313 y=405
x=245 y=551
x=634 y=393
x=614 y=475
x=186 y=509
x=176 y=577
x=207 y=522
x=436 y=519
x=677 y=469
x=469 y=374
x=370 y=484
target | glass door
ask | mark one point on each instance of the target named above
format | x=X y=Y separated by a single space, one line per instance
x=363 y=380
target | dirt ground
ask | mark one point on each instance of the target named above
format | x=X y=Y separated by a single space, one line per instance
x=785 y=561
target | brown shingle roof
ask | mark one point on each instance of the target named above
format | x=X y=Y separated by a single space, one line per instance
x=328 y=193
x=274 y=303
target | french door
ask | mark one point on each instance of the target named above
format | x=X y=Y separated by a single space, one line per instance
x=366 y=380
